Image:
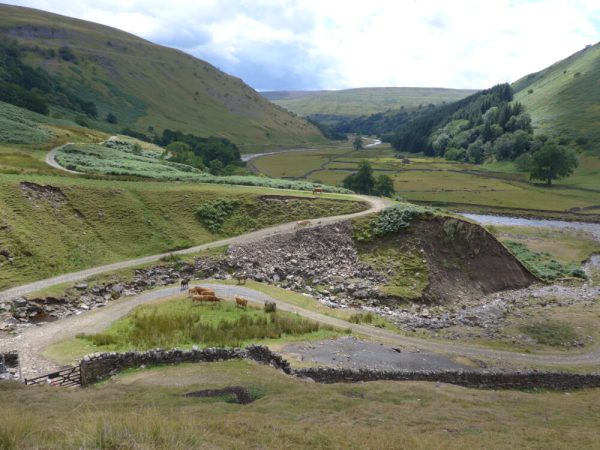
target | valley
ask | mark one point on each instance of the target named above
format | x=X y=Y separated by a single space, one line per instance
x=187 y=262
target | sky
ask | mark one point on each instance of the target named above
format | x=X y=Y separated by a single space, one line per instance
x=336 y=44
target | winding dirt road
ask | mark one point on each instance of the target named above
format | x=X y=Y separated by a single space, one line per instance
x=31 y=342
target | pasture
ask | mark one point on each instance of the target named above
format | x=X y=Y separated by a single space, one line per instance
x=182 y=322
x=289 y=413
x=447 y=183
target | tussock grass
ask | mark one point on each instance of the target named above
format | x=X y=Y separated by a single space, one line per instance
x=551 y=333
x=181 y=323
x=146 y=409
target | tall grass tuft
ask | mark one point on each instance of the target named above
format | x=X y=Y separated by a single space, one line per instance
x=180 y=323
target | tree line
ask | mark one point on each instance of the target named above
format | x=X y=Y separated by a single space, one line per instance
x=35 y=88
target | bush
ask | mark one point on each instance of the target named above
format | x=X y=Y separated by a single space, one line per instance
x=213 y=214
x=82 y=121
x=389 y=221
x=555 y=334
x=270 y=307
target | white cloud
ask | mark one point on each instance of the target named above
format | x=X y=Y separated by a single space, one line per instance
x=311 y=44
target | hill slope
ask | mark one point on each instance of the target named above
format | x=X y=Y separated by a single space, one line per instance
x=361 y=101
x=146 y=85
x=564 y=99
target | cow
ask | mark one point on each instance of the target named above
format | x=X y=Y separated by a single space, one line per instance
x=317 y=191
x=185 y=282
x=199 y=290
x=241 y=301
x=208 y=298
x=241 y=277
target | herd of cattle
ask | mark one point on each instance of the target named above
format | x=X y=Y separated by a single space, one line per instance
x=207 y=295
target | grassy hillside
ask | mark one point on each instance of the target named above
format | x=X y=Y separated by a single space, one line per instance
x=290 y=413
x=362 y=101
x=146 y=85
x=564 y=99
x=52 y=225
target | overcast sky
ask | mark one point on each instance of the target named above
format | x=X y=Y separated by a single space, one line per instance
x=334 y=44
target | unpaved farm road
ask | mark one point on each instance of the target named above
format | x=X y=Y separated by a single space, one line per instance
x=31 y=342
x=376 y=203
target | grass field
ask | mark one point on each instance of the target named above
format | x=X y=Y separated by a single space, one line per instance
x=182 y=323
x=435 y=180
x=85 y=223
x=146 y=409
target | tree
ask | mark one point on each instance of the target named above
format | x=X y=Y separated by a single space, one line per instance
x=215 y=167
x=384 y=186
x=111 y=118
x=362 y=181
x=552 y=162
x=357 y=144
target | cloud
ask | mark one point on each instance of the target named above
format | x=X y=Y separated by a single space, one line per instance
x=316 y=44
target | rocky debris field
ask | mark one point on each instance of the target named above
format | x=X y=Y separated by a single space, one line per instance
x=322 y=262
x=21 y=312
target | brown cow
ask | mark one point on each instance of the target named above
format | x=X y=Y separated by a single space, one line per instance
x=241 y=301
x=317 y=191
x=199 y=290
x=241 y=277
x=209 y=298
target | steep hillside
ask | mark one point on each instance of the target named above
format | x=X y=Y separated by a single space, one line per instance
x=362 y=101
x=564 y=99
x=145 y=86
x=51 y=225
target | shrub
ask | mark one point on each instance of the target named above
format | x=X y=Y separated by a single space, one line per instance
x=390 y=220
x=270 y=307
x=555 y=334
x=213 y=214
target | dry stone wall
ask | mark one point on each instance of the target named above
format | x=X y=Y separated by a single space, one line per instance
x=102 y=365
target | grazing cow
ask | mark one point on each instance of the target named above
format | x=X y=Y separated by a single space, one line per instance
x=208 y=298
x=185 y=282
x=241 y=277
x=317 y=191
x=200 y=290
x=302 y=223
x=241 y=301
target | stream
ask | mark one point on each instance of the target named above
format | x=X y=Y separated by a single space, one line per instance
x=593 y=229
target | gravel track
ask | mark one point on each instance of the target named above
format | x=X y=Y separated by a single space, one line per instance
x=32 y=341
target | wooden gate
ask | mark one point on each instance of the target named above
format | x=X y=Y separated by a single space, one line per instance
x=68 y=377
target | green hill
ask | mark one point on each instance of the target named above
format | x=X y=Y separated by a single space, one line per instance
x=147 y=87
x=362 y=101
x=564 y=99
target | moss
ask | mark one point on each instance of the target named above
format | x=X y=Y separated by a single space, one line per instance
x=402 y=261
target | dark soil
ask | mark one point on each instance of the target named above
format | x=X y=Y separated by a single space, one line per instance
x=240 y=395
x=464 y=260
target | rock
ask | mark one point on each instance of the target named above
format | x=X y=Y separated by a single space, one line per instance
x=19 y=302
x=81 y=286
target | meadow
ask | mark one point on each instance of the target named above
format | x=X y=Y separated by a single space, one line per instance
x=446 y=183
x=181 y=323
x=146 y=409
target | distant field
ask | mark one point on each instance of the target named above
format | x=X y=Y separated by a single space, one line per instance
x=435 y=180
x=362 y=101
